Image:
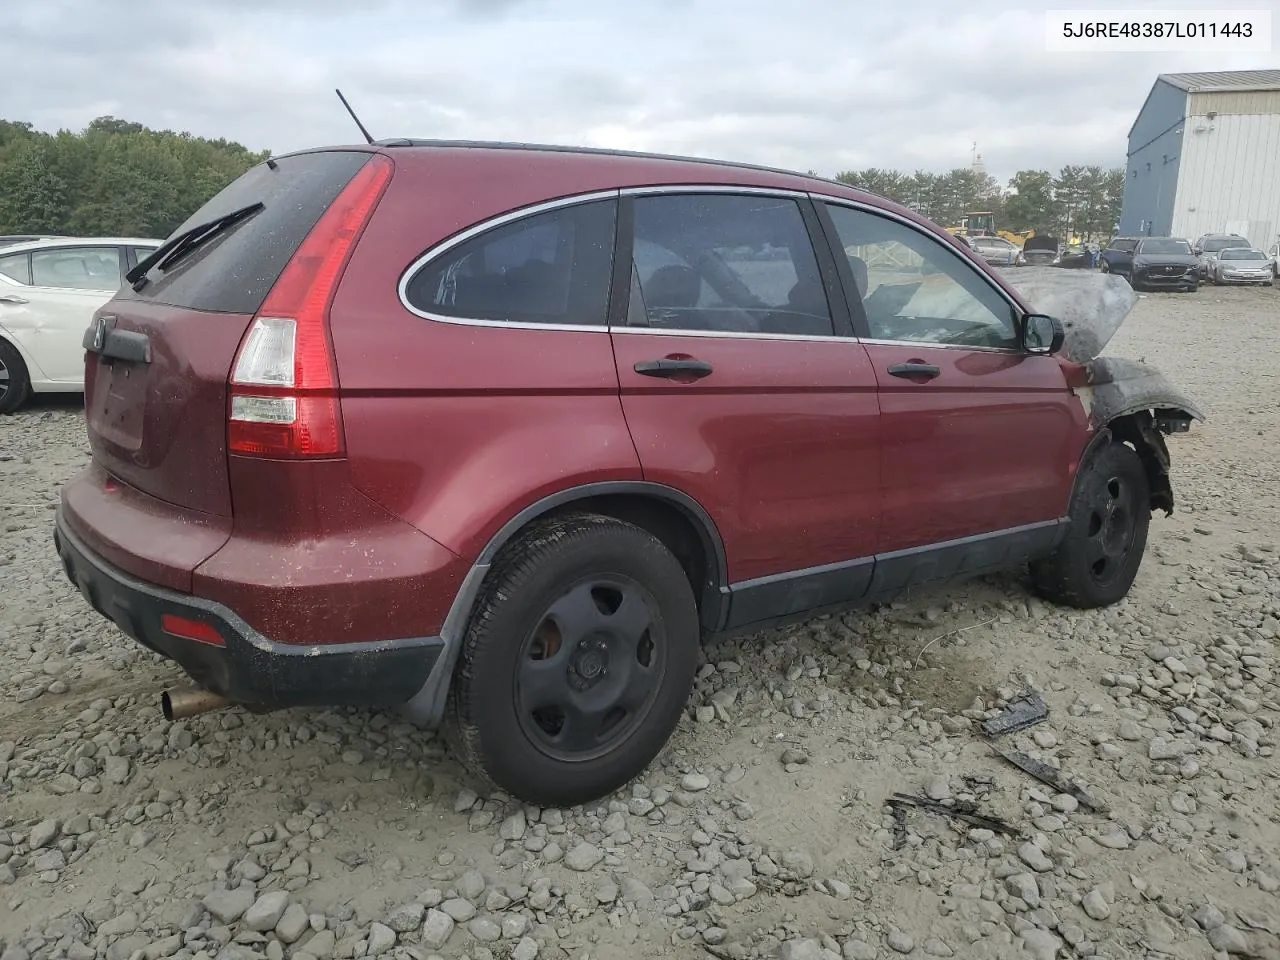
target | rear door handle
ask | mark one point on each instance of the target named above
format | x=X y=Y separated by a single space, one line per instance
x=912 y=371
x=10 y=298
x=668 y=367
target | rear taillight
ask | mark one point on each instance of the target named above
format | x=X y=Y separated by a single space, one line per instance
x=284 y=383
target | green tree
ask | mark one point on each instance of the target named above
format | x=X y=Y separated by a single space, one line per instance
x=115 y=177
x=33 y=194
x=1030 y=204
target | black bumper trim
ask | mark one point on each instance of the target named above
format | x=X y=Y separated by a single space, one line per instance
x=251 y=669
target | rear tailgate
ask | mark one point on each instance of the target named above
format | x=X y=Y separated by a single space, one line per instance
x=159 y=358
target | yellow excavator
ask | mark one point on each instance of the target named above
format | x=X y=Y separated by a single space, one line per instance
x=982 y=223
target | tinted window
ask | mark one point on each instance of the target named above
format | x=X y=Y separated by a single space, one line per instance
x=84 y=268
x=1124 y=245
x=16 y=267
x=741 y=264
x=234 y=272
x=1214 y=244
x=551 y=267
x=914 y=288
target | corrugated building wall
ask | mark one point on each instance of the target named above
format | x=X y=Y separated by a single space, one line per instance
x=1230 y=179
x=1204 y=157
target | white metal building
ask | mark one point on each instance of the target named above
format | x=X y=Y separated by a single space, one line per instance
x=1204 y=157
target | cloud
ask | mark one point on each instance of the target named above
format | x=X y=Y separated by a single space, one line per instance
x=819 y=84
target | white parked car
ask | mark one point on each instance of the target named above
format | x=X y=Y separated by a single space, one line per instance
x=49 y=290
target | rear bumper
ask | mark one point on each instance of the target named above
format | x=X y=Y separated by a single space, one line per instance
x=250 y=668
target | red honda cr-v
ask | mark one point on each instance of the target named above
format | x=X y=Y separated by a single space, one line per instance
x=497 y=434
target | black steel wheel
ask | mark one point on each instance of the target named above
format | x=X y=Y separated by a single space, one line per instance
x=591 y=669
x=577 y=662
x=1110 y=513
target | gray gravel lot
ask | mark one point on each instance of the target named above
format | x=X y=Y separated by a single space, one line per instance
x=763 y=830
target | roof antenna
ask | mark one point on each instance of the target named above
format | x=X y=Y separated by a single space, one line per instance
x=367 y=137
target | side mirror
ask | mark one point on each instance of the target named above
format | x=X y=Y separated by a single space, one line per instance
x=1042 y=334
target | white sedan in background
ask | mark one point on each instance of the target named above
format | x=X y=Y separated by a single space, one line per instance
x=49 y=290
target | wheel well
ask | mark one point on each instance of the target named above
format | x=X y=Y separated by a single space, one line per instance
x=1139 y=431
x=676 y=529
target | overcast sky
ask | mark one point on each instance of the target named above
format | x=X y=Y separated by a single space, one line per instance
x=826 y=85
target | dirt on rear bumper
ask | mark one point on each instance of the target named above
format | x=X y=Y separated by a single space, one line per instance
x=250 y=668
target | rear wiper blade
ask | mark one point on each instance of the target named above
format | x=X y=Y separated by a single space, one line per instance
x=178 y=247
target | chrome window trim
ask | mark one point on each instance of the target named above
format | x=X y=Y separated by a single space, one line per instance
x=484 y=226
x=735 y=334
x=657 y=190
x=723 y=188
x=930 y=345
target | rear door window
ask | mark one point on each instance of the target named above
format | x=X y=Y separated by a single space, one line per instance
x=234 y=271
x=742 y=264
x=80 y=268
x=552 y=267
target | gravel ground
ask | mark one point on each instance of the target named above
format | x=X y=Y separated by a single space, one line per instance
x=763 y=830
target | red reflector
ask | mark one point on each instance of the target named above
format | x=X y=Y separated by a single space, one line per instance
x=191 y=630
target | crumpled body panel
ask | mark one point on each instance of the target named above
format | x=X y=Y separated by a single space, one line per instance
x=1118 y=387
x=1091 y=306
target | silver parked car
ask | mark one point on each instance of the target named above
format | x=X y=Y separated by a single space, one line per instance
x=995 y=250
x=1210 y=245
x=1242 y=265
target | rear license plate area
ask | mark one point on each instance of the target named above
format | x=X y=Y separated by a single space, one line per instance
x=117 y=412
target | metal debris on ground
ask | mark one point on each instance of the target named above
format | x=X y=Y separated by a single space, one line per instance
x=1048 y=775
x=956 y=809
x=1021 y=713
x=899 y=825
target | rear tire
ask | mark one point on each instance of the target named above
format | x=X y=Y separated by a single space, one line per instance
x=15 y=382
x=1110 y=513
x=577 y=663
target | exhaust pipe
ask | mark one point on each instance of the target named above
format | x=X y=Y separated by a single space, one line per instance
x=180 y=704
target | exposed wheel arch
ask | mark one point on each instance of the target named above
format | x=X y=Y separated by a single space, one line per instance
x=675 y=518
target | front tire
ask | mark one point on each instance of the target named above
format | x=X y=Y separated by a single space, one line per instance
x=15 y=381
x=1110 y=513
x=577 y=663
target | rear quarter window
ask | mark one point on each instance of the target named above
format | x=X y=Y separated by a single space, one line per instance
x=552 y=267
x=234 y=272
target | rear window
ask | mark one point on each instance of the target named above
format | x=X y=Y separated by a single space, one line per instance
x=234 y=272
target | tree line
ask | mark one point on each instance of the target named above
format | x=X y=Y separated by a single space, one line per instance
x=115 y=178
x=1078 y=201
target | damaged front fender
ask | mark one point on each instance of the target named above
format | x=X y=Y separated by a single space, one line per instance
x=1136 y=404
x=1124 y=400
x=1115 y=388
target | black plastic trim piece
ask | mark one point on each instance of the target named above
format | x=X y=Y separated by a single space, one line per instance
x=801 y=594
x=623 y=262
x=796 y=592
x=251 y=669
x=938 y=563
x=828 y=269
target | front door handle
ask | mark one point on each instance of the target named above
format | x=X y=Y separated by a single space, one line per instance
x=914 y=370
x=674 y=368
x=10 y=298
